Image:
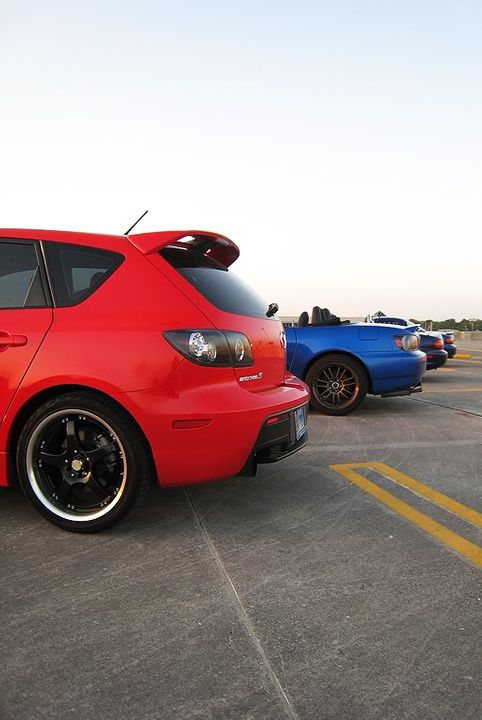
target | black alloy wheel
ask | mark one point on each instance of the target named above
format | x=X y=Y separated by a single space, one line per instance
x=82 y=461
x=338 y=384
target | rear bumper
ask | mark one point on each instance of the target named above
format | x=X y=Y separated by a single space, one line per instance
x=450 y=350
x=396 y=374
x=279 y=437
x=436 y=358
x=233 y=431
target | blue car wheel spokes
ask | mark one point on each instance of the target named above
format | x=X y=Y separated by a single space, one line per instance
x=338 y=384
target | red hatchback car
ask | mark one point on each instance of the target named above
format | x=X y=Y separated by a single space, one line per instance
x=129 y=357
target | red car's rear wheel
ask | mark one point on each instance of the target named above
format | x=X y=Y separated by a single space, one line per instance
x=82 y=462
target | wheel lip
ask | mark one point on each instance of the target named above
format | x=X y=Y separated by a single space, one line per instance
x=34 y=484
x=331 y=405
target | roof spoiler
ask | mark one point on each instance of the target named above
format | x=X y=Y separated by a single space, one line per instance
x=215 y=246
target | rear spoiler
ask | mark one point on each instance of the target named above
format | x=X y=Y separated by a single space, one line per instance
x=218 y=247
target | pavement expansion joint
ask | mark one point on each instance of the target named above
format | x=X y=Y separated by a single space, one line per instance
x=241 y=612
x=448 y=407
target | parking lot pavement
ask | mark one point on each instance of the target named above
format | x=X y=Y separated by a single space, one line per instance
x=297 y=594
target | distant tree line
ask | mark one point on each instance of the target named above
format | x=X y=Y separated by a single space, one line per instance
x=451 y=324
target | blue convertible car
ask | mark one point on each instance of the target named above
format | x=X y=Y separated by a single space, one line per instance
x=343 y=361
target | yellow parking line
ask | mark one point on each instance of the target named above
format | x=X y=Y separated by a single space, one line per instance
x=461 y=356
x=464 y=547
x=451 y=390
x=428 y=493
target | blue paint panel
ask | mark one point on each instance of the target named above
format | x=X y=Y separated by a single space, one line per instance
x=368 y=332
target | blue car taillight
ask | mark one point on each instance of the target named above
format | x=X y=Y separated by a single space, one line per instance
x=407 y=342
x=216 y=348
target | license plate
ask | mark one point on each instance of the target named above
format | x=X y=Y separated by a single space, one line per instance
x=300 y=422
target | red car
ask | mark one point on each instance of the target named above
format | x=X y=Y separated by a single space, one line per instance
x=129 y=357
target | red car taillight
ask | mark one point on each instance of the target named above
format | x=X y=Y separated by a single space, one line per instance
x=449 y=340
x=212 y=347
x=438 y=344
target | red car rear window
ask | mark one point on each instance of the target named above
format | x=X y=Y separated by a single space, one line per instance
x=220 y=286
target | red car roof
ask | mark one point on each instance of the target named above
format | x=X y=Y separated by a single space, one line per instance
x=214 y=245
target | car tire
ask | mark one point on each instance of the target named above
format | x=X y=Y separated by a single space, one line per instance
x=338 y=384
x=83 y=461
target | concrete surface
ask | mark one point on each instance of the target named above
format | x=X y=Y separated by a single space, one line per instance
x=294 y=594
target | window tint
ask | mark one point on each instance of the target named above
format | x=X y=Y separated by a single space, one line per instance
x=77 y=271
x=20 y=281
x=220 y=286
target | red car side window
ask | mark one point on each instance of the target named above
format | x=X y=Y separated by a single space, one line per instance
x=20 y=281
x=77 y=271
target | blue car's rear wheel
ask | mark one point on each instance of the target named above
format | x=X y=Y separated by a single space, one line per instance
x=338 y=384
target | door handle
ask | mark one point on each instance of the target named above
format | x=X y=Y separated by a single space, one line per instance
x=7 y=340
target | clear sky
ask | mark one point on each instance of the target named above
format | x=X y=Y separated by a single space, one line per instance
x=338 y=142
